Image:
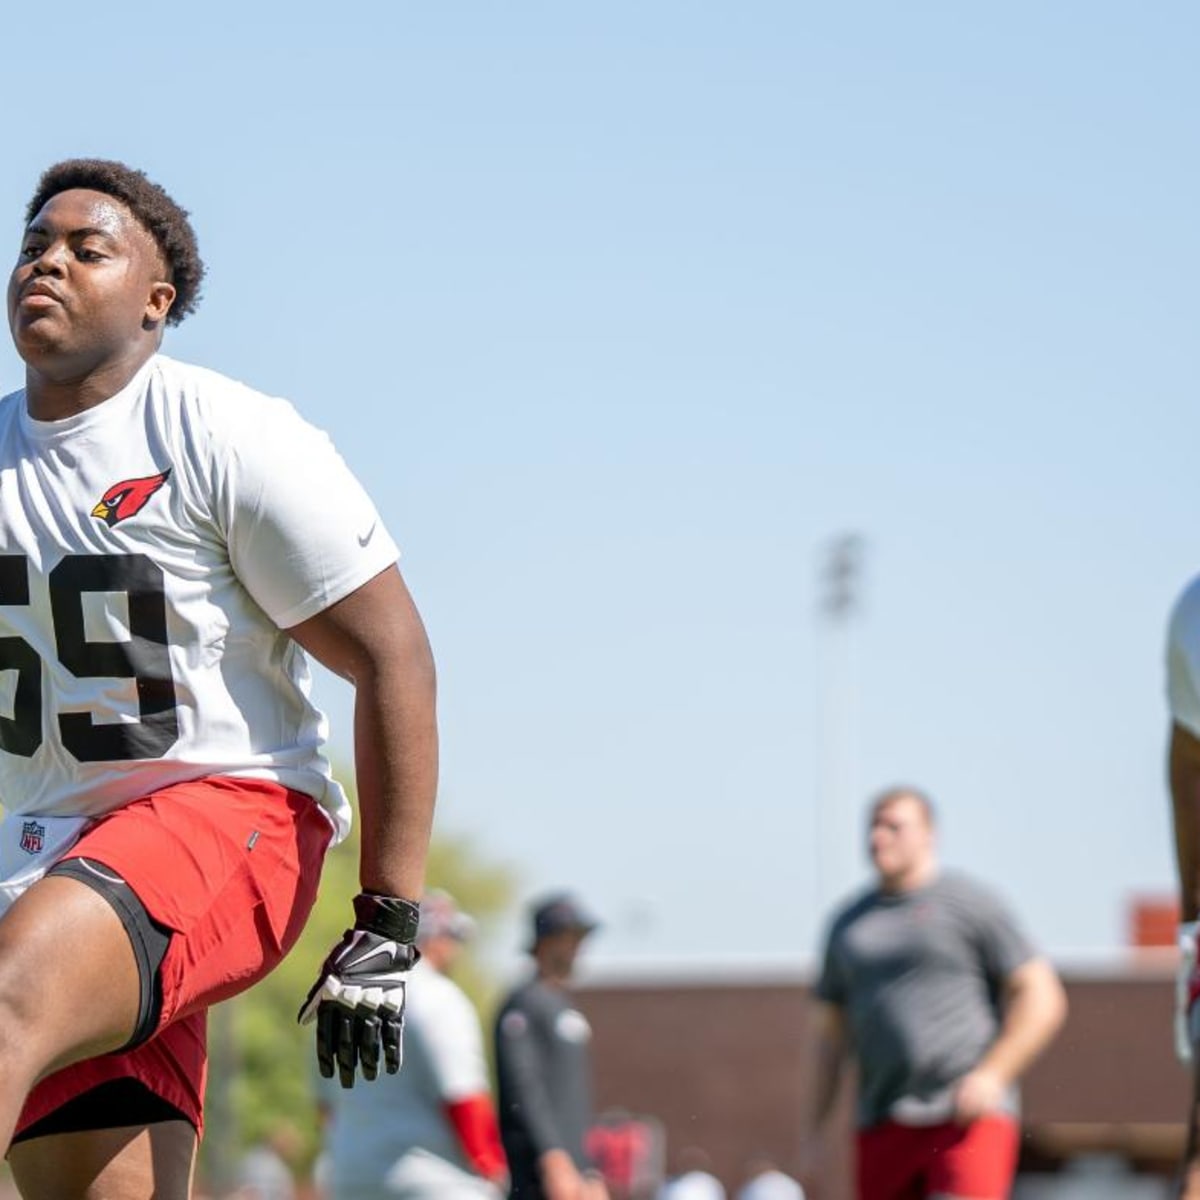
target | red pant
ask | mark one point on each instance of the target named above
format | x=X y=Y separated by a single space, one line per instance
x=904 y=1162
x=231 y=866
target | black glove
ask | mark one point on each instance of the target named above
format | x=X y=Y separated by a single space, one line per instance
x=358 y=999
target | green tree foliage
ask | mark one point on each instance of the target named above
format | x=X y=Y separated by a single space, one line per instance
x=274 y=1076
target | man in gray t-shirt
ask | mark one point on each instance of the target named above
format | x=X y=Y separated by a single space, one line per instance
x=931 y=987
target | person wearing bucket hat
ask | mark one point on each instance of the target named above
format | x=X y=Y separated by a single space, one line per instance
x=430 y=1132
x=543 y=1063
x=560 y=913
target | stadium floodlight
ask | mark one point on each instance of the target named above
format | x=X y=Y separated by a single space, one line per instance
x=842 y=576
x=840 y=601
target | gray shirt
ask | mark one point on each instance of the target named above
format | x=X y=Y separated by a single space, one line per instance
x=543 y=1069
x=919 y=976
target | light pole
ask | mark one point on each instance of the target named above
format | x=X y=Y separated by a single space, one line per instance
x=841 y=571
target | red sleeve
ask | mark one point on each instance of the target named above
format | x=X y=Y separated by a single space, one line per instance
x=474 y=1120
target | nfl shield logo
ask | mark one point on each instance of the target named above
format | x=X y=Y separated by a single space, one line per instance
x=33 y=837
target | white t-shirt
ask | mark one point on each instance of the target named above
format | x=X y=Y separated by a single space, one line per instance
x=152 y=548
x=387 y=1130
x=1183 y=659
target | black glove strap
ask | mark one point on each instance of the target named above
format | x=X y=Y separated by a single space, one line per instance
x=389 y=916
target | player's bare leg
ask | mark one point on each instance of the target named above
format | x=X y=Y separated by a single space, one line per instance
x=69 y=987
x=148 y=1163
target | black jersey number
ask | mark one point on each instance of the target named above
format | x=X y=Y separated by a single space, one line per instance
x=144 y=658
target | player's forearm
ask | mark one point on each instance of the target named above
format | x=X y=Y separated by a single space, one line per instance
x=829 y=1055
x=1034 y=1013
x=1184 y=771
x=396 y=762
x=474 y=1121
x=374 y=638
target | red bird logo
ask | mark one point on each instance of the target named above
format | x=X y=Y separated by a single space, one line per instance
x=128 y=497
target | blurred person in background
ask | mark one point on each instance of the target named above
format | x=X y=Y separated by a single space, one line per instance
x=943 y=1003
x=629 y=1152
x=692 y=1178
x=765 y=1181
x=430 y=1132
x=266 y=1170
x=543 y=1065
x=1183 y=770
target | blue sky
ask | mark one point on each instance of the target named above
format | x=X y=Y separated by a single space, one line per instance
x=623 y=312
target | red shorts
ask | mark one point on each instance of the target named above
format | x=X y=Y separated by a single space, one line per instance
x=231 y=866
x=904 y=1162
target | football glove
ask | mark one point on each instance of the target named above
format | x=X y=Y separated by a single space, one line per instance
x=1187 y=987
x=358 y=999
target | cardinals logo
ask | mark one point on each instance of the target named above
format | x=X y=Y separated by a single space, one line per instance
x=128 y=497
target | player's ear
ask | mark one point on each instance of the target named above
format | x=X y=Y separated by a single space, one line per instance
x=158 y=303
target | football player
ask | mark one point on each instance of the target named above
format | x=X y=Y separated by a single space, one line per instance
x=172 y=545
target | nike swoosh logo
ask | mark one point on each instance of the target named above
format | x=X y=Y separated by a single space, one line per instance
x=384 y=949
x=366 y=537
